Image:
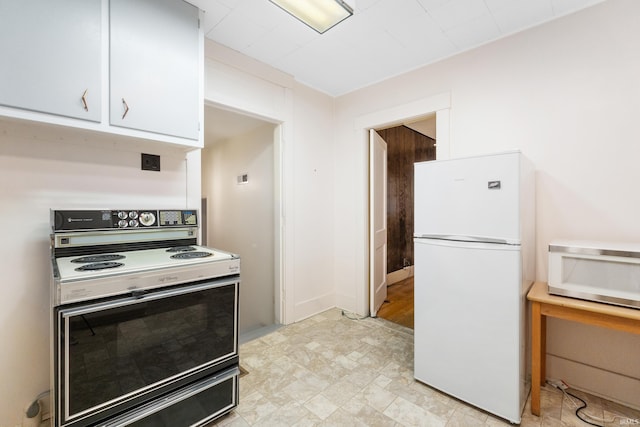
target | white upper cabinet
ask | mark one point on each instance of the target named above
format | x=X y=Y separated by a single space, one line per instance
x=154 y=66
x=124 y=68
x=50 y=56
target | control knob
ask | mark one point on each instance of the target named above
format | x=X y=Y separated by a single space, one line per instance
x=133 y=215
x=147 y=218
x=133 y=223
x=122 y=223
x=122 y=215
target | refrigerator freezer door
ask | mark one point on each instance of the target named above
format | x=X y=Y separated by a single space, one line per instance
x=475 y=196
x=469 y=314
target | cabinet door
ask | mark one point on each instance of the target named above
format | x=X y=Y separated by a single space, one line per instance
x=51 y=55
x=154 y=74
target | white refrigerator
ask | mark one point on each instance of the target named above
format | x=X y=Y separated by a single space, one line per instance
x=474 y=263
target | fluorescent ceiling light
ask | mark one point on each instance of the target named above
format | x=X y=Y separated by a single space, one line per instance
x=318 y=14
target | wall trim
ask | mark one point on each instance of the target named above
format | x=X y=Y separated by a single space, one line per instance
x=280 y=112
x=404 y=112
x=313 y=306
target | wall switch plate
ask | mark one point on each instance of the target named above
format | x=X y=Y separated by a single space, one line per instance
x=150 y=162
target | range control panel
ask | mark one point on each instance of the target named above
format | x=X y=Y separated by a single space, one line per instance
x=122 y=219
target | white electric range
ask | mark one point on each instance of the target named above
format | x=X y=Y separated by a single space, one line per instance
x=144 y=320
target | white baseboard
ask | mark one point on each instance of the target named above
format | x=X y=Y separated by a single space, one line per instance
x=311 y=307
x=398 y=275
x=608 y=385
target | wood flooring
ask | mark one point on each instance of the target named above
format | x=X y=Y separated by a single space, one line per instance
x=398 y=307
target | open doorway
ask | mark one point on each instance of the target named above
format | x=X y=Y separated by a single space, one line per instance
x=406 y=144
x=239 y=175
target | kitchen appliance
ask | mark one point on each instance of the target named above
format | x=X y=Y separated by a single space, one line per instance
x=595 y=271
x=144 y=321
x=474 y=263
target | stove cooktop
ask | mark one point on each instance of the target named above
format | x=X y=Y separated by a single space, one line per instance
x=81 y=278
x=82 y=267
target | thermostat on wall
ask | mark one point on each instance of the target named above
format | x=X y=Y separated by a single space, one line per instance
x=243 y=179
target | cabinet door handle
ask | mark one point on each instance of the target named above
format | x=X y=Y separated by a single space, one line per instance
x=84 y=100
x=126 y=108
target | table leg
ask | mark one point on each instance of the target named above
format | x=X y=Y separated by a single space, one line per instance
x=537 y=364
x=543 y=349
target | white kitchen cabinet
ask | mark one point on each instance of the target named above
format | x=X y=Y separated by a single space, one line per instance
x=149 y=53
x=51 y=56
x=154 y=66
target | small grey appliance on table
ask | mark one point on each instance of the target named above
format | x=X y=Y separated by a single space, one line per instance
x=144 y=321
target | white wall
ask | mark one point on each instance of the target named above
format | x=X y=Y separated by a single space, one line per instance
x=312 y=202
x=241 y=216
x=43 y=168
x=567 y=94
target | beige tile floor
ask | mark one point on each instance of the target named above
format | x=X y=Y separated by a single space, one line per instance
x=329 y=370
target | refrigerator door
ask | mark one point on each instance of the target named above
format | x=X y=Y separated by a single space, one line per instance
x=469 y=314
x=474 y=196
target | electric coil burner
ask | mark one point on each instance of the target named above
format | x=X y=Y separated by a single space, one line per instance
x=145 y=321
x=99 y=266
x=190 y=255
x=181 y=249
x=98 y=258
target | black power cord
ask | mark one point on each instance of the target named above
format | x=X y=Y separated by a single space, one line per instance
x=352 y=317
x=584 y=405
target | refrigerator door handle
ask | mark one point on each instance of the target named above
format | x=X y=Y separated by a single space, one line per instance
x=473 y=239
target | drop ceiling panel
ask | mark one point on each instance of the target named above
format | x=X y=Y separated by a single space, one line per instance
x=458 y=12
x=276 y=44
x=511 y=16
x=420 y=33
x=382 y=39
x=226 y=32
x=561 y=7
x=432 y=4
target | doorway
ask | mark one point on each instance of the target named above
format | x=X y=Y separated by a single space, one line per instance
x=406 y=144
x=239 y=173
x=440 y=105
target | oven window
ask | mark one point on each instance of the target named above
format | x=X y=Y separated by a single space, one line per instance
x=115 y=351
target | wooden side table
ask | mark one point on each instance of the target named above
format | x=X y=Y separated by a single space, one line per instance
x=592 y=313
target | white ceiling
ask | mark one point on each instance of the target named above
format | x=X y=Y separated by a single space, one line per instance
x=382 y=39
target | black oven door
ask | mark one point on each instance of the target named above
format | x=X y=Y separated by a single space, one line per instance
x=119 y=353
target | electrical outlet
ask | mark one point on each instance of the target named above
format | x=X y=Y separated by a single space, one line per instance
x=559 y=384
x=150 y=162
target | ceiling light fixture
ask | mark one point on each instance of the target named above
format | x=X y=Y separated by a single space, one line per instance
x=318 y=14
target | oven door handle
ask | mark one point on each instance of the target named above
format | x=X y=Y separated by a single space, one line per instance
x=140 y=295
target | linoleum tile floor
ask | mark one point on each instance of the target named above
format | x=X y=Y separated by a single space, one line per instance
x=331 y=370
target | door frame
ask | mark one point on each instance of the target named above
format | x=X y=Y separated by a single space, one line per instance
x=283 y=308
x=439 y=104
